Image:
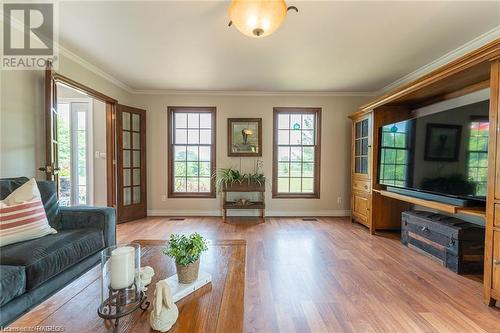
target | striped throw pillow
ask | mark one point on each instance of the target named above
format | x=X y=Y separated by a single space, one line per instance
x=22 y=215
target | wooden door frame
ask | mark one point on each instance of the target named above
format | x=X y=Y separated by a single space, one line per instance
x=50 y=100
x=110 y=128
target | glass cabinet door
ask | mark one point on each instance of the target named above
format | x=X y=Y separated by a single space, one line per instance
x=361 y=146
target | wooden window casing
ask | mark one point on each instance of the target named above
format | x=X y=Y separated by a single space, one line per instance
x=194 y=143
x=287 y=168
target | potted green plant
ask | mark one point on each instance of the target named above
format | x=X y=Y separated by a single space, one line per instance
x=226 y=178
x=186 y=251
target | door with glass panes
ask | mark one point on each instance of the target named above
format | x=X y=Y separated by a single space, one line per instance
x=131 y=163
x=361 y=147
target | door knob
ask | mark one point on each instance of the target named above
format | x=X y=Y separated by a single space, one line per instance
x=496 y=261
x=49 y=169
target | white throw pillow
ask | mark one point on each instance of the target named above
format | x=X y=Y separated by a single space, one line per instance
x=22 y=215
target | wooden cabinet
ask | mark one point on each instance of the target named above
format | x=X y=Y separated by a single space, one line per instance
x=496 y=218
x=497 y=171
x=495 y=127
x=361 y=208
x=361 y=185
x=492 y=241
x=495 y=281
x=361 y=163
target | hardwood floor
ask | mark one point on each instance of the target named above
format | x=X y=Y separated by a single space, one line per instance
x=331 y=275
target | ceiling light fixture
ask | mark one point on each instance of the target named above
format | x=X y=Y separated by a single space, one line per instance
x=258 y=18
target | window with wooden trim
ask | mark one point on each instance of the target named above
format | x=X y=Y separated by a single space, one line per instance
x=297 y=151
x=191 y=141
x=477 y=154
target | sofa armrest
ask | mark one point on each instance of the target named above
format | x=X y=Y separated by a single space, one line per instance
x=80 y=217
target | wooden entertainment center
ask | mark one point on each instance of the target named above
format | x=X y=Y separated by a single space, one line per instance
x=379 y=209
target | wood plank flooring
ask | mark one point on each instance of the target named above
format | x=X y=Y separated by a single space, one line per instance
x=331 y=275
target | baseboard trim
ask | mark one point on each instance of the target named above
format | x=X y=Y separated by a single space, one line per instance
x=319 y=213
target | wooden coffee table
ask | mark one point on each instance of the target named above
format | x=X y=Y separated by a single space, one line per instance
x=216 y=307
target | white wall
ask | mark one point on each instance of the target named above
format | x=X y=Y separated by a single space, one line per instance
x=335 y=155
x=21 y=109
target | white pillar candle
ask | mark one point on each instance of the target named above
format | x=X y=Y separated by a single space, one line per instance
x=122 y=267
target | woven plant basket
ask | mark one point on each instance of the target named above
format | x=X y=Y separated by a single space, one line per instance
x=188 y=274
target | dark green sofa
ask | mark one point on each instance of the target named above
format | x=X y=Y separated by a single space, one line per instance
x=33 y=270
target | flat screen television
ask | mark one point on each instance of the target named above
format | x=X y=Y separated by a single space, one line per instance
x=441 y=156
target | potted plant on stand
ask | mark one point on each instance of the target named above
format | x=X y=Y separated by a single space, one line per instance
x=186 y=251
x=232 y=180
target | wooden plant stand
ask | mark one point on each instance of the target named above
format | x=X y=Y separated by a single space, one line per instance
x=244 y=187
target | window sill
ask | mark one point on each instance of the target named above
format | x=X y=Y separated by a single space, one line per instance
x=192 y=195
x=296 y=196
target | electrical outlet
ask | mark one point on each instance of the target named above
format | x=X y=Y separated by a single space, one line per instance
x=339 y=201
x=163 y=198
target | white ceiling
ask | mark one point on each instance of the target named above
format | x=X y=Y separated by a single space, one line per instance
x=327 y=46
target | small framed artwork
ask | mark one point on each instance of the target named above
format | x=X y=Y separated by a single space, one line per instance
x=244 y=137
x=442 y=142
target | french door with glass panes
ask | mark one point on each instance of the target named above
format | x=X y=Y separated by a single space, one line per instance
x=74 y=151
x=131 y=163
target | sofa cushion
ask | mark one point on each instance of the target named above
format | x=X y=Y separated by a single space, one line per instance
x=48 y=193
x=22 y=215
x=9 y=185
x=48 y=256
x=12 y=282
x=50 y=201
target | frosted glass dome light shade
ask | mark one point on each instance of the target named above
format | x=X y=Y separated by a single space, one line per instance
x=257 y=18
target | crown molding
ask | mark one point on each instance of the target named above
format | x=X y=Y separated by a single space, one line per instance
x=470 y=46
x=252 y=93
x=94 y=69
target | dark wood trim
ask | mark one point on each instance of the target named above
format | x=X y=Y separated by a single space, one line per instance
x=317 y=153
x=230 y=122
x=486 y=53
x=83 y=88
x=170 y=163
x=50 y=131
x=110 y=128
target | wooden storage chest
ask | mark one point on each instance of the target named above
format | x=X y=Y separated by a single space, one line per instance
x=457 y=244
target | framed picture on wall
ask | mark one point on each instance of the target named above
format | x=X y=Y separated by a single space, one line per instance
x=442 y=142
x=244 y=137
